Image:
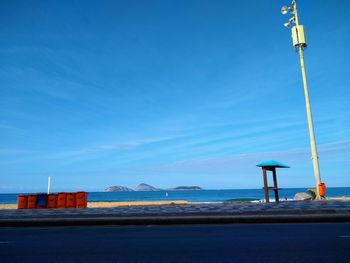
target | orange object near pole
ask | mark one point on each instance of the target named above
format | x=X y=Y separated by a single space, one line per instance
x=81 y=199
x=52 y=200
x=31 y=204
x=61 y=200
x=70 y=200
x=22 y=202
x=322 y=189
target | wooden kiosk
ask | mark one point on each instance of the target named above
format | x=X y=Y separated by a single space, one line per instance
x=271 y=166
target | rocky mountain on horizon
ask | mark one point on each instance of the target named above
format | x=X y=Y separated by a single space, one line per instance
x=187 y=188
x=118 y=189
x=146 y=187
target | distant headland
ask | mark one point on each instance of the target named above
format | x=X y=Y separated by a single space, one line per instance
x=118 y=189
x=187 y=188
x=147 y=187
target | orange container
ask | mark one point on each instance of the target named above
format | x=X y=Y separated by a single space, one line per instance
x=61 y=200
x=31 y=203
x=322 y=189
x=70 y=200
x=52 y=200
x=81 y=199
x=22 y=202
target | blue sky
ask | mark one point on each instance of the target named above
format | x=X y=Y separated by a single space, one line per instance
x=100 y=93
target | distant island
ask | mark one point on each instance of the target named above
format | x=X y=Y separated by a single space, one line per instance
x=118 y=189
x=146 y=187
x=187 y=188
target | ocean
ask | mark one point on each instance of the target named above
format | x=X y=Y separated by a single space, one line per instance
x=193 y=196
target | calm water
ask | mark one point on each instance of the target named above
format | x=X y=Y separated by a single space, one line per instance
x=192 y=196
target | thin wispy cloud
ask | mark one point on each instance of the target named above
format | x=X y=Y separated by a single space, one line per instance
x=7 y=127
x=244 y=162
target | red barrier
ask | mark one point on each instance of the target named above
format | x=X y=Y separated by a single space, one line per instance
x=70 y=200
x=61 y=200
x=22 y=202
x=81 y=199
x=52 y=200
x=31 y=203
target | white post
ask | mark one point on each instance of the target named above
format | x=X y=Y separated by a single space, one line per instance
x=48 y=185
x=308 y=111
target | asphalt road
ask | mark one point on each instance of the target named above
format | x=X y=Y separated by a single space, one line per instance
x=198 y=243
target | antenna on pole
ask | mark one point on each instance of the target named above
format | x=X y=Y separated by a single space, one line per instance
x=48 y=185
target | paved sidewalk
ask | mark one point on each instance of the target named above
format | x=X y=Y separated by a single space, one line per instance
x=295 y=211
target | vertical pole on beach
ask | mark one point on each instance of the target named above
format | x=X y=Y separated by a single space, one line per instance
x=299 y=42
x=308 y=111
x=275 y=187
x=266 y=187
x=48 y=185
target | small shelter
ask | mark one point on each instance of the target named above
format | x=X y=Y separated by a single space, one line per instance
x=271 y=166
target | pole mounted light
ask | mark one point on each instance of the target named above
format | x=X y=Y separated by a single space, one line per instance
x=299 y=43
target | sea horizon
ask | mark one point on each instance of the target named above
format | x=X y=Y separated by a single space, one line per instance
x=202 y=196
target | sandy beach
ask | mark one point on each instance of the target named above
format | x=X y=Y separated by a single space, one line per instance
x=135 y=203
x=116 y=204
x=8 y=206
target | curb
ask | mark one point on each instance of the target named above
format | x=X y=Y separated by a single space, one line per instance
x=175 y=220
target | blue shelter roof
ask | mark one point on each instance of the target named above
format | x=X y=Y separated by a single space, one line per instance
x=272 y=163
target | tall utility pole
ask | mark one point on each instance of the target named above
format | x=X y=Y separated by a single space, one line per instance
x=299 y=42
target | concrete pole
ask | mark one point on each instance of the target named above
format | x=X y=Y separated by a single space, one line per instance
x=308 y=111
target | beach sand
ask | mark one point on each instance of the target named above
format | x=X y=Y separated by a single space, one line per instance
x=8 y=206
x=135 y=203
x=115 y=204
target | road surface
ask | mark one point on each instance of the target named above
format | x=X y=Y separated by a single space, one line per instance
x=192 y=243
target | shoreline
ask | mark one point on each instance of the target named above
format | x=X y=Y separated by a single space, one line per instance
x=98 y=204
x=111 y=204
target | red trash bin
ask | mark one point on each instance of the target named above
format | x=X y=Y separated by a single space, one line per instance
x=61 y=200
x=22 y=202
x=81 y=199
x=70 y=200
x=31 y=204
x=322 y=189
x=52 y=200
